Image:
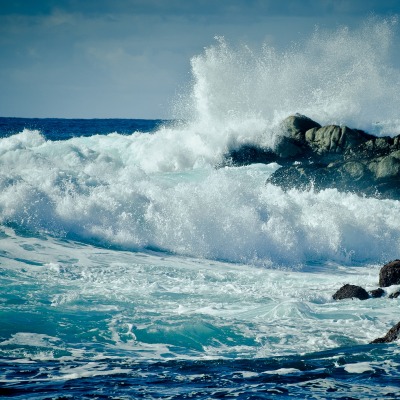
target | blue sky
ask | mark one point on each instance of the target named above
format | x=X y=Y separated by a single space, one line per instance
x=130 y=58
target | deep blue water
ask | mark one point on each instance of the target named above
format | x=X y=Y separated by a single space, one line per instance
x=317 y=376
x=63 y=129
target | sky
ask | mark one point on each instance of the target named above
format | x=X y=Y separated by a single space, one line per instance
x=131 y=58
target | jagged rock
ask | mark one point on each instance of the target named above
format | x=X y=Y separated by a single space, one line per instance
x=353 y=170
x=376 y=293
x=390 y=274
x=392 y=335
x=342 y=158
x=351 y=291
x=386 y=167
x=394 y=295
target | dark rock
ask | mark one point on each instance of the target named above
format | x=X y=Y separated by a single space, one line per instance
x=289 y=148
x=353 y=171
x=392 y=335
x=390 y=274
x=376 y=293
x=351 y=291
x=328 y=157
x=249 y=154
x=394 y=295
x=301 y=176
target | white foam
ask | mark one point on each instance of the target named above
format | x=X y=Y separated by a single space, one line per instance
x=283 y=371
x=358 y=368
x=30 y=339
x=226 y=214
x=89 y=370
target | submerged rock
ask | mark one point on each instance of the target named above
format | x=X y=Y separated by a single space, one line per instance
x=392 y=335
x=390 y=274
x=376 y=293
x=330 y=156
x=351 y=291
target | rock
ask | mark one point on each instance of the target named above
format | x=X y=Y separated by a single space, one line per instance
x=249 y=154
x=334 y=140
x=390 y=274
x=295 y=126
x=351 y=291
x=332 y=156
x=353 y=170
x=386 y=167
x=392 y=335
x=290 y=148
x=376 y=293
x=394 y=295
x=302 y=176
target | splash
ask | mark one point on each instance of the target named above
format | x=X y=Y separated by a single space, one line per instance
x=343 y=77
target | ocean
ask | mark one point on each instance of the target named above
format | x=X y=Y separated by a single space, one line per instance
x=132 y=265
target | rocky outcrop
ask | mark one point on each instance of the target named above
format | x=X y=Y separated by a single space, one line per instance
x=320 y=157
x=389 y=271
x=390 y=274
x=392 y=335
x=351 y=291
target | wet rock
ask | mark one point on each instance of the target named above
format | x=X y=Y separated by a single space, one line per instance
x=386 y=167
x=390 y=274
x=392 y=335
x=289 y=148
x=394 y=295
x=329 y=156
x=332 y=141
x=302 y=177
x=248 y=154
x=376 y=293
x=351 y=291
x=297 y=125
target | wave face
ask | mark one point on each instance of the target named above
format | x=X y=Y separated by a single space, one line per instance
x=103 y=190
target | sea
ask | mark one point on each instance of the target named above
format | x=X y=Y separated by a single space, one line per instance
x=136 y=263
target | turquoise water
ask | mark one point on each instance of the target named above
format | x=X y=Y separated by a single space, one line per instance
x=85 y=321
